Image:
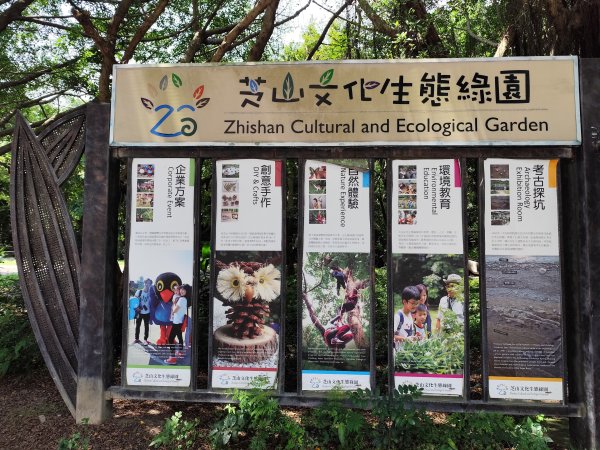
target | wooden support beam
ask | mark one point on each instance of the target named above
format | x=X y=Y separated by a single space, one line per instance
x=97 y=270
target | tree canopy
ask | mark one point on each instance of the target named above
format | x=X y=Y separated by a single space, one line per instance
x=56 y=55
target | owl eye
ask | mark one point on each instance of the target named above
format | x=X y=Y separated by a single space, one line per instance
x=160 y=286
x=235 y=282
x=174 y=284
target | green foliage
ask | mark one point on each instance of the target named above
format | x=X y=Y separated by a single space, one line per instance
x=393 y=422
x=177 y=433
x=18 y=350
x=79 y=440
x=474 y=315
x=398 y=423
x=259 y=419
x=381 y=325
x=483 y=430
x=439 y=354
x=333 y=424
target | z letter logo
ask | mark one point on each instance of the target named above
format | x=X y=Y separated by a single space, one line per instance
x=164 y=126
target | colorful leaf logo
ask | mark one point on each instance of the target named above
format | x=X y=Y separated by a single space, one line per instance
x=371 y=84
x=176 y=80
x=326 y=77
x=253 y=86
x=202 y=103
x=164 y=82
x=147 y=103
x=288 y=87
x=198 y=92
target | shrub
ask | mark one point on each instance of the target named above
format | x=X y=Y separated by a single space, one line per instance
x=177 y=433
x=333 y=424
x=19 y=352
x=259 y=419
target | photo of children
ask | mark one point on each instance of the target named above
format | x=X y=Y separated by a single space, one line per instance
x=407 y=172
x=144 y=200
x=317 y=202
x=163 y=308
x=407 y=202
x=145 y=185
x=407 y=187
x=428 y=322
x=145 y=170
x=336 y=320
x=407 y=217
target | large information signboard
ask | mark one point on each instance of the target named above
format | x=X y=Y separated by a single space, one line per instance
x=504 y=101
x=427 y=275
x=248 y=260
x=336 y=274
x=522 y=278
x=160 y=266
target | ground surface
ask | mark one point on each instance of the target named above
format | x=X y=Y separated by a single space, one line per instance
x=33 y=416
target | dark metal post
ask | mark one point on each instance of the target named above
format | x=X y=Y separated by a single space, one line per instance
x=584 y=369
x=98 y=263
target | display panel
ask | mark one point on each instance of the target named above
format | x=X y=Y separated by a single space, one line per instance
x=248 y=273
x=335 y=278
x=427 y=276
x=523 y=281
x=159 y=322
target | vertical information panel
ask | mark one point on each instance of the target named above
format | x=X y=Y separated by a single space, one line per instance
x=427 y=276
x=246 y=312
x=160 y=263
x=336 y=273
x=523 y=283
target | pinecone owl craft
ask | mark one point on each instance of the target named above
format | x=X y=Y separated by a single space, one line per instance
x=247 y=288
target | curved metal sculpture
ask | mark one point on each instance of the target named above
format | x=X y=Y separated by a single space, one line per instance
x=44 y=242
x=64 y=141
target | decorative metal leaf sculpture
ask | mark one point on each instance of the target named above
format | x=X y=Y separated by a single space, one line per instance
x=46 y=252
x=64 y=141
